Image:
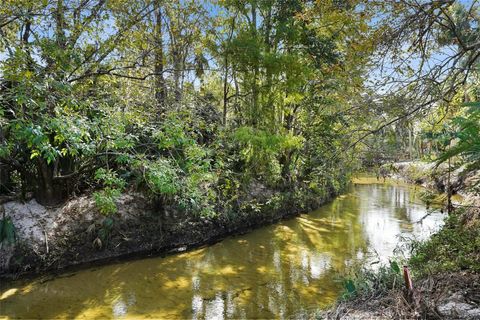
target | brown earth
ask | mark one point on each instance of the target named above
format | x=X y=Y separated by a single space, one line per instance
x=442 y=296
x=76 y=234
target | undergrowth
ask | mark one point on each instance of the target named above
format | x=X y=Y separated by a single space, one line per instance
x=366 y=282
x=455 y=247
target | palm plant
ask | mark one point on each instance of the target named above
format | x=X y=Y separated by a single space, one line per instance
x=466 y=138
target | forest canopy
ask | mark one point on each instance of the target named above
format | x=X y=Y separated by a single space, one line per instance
x=191 y=101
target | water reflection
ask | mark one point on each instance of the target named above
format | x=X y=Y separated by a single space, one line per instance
x=274 y=272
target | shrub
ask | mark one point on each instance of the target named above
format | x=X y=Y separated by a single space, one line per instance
x=112 y=189
x=366 y=281
x=455 y=247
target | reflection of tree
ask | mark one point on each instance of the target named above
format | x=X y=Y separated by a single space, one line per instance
x=402 y=208
x=276 y=271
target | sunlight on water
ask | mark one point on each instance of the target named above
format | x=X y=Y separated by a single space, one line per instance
x=278 y=271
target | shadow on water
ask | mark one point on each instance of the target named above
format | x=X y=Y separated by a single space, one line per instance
x=274 y=272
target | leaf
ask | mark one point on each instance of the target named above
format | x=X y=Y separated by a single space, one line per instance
x=472 y=104
x=108 y=222
x=350 y=286
x=7 y=230
x=34 y=154
x=394 y=266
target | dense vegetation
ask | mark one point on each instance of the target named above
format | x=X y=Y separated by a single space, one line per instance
x=454 y=248
x=193 y=102
x=211 y=107
x=185 y=101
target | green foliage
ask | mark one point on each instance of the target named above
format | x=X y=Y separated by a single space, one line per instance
x=350 y=287
x=162 y=177
x=455 y=247
x=105 y=98
x=417 y=174
x=262 y=150
x=174 y=132
x=177 y=170
x=112 y=189
x=466 y=137
x=366 y=281
x=7 y=231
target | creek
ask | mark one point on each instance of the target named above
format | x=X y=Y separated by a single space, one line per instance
x=283 y=270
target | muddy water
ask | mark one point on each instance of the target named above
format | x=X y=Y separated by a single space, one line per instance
x=284 y=270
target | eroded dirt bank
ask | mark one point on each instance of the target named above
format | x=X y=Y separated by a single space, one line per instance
x=437 y=178
x=75 y=234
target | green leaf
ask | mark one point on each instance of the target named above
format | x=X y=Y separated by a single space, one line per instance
x=394 y=266
x=472 y=104
x=34 y=154
x=108 y=222
x=350 y=286
x=7 y=230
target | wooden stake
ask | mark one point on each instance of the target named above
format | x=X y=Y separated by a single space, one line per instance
x=408 y=284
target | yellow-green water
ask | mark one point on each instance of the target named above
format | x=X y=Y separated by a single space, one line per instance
x=280 y=271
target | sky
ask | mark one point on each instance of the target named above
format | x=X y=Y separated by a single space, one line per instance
x=375 y=73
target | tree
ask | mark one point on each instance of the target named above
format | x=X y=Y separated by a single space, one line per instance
x=49 y=76
x=136 y=91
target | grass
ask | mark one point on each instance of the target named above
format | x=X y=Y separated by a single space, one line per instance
x=366 y=282
x=456 y=247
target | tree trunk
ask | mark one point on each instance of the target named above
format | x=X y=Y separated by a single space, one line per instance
x=48 y=192
x=236 y=108
x=255 y=111
x=225 y=76
x=225 y=90
x=269 y=76
x=5 y=180
x=160 y=85
x=410 y=143
x=177 y=59
x=60 y=25
x=285 y=162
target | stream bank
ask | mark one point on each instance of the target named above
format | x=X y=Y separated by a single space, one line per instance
x=445 y=268
x=76 y=234
x=284 y=270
